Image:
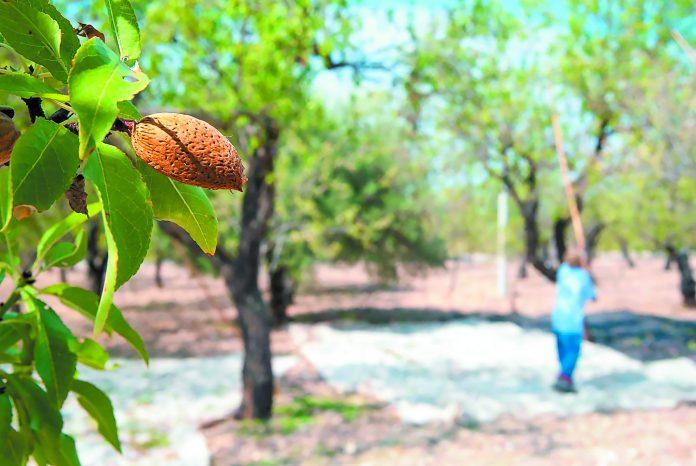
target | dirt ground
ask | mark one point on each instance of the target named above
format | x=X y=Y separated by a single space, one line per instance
x=192 y=316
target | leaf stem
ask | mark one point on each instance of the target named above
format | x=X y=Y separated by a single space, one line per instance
x=61 y=104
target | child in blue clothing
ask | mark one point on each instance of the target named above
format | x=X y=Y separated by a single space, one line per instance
x=573 y=288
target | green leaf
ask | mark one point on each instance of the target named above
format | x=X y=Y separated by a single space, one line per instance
x=62 y=228
x=68 y=451
x=15 y=447
x=5 y=415
x=55 y=362
x=33 y=34
x=92 y=354
x=11 y=332
x=128 y=111
x=44 y=163
x=67 y=254
x=124 y=25
x=5 y=198
x=87 y=302
x=24 y=85
x=187 y=206
x=69 y=43
x=45 y=420
x=98 y=81
x=99 y=406
x=127 y=219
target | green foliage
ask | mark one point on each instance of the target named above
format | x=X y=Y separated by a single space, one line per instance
x=124 y=26
x=98 y=67
x=489 y=75
x=40 y=356
x=98 y=405
x=24 y=85
x=350 y=190
x=45 y=155
x=188 y=206
x=36 y=30
x=127 y=218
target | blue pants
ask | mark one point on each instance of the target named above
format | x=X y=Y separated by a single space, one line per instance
x=568 y=345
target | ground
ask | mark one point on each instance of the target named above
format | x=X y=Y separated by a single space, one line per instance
x=639 y=316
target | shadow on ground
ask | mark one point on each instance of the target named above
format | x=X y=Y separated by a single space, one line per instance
x=639 y=336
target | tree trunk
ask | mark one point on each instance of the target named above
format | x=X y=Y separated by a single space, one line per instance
x=559 y=237
x=671 y=255
x=593 y=240
x=522 y=269
x=257 y=209
x=687 y=285
x=282 y=291
x=623 y=244
x=158 y=271
x=96 y=259
x=529 y=210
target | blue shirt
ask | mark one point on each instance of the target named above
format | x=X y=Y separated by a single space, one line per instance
x=573 y=288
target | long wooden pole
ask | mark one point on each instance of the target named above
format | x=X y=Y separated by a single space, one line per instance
x=570 y=193
x=690 y=52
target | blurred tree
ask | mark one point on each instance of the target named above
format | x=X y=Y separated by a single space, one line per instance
x=246 y=65
x=495 y=71
x=352 y=188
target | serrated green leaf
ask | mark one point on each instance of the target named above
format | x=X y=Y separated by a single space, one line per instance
x=34 y=34
x=69 y=43
x=187 y=206
x=44 y=156
x=62 y=228
x=99 y=406
x=55 y=362
x=127 y=217
x=24 y=85
x=45 y=419
x=67 y=254
x=124 y=25
x=87 y=302
x=92 y=354
x=98 y=81
x=128 y=111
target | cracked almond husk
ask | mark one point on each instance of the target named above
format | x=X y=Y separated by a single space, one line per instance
x=188 y=150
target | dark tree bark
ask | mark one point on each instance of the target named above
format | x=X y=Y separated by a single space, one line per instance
x=158 y=271
x=687 y=285
x=241 y=276
x=529 y=209
x=96 y=259
x=560 y=227
x=282 y=294
x=257 y=209
x=671 y=255
x=623 y=244
x=522 y=269
x=592 y=240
